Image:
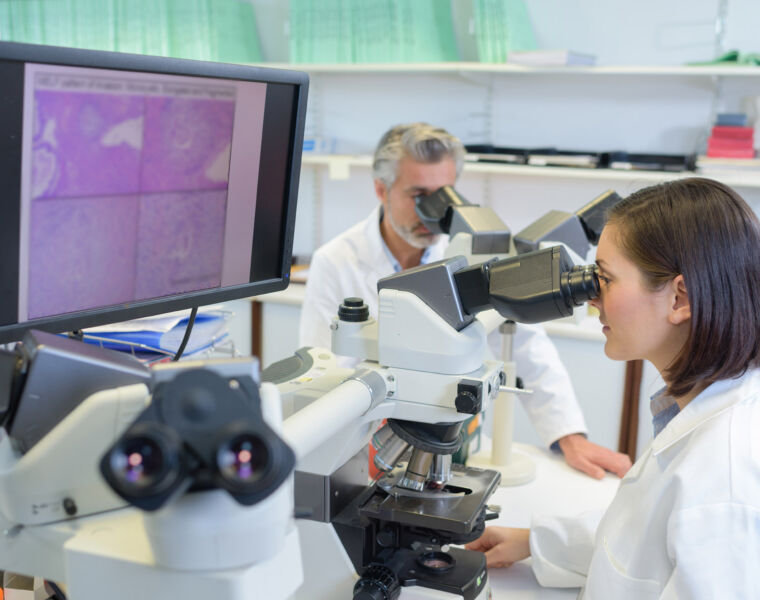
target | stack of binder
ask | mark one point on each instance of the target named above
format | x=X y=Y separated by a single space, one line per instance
x=321 y=32
x=371 y=31
x=218 y=30
x=501 y=26
x=156 y=337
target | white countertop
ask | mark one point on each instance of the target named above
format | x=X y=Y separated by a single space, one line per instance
x=557 y=490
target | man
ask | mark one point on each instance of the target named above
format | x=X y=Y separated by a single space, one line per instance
x=418 y=159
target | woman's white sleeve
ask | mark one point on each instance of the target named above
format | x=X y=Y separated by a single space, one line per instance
x=561 y=548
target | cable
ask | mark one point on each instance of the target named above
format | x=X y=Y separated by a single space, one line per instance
x=57 y=592
x=188 y=329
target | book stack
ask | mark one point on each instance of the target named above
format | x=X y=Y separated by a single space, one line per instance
x=731 y=138
x=160 y=335
x=720 y=167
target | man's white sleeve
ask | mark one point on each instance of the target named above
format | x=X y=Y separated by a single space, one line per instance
x=320 y=304
x=553 y=408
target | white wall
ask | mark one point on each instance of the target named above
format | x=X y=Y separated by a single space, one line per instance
x=651 y=32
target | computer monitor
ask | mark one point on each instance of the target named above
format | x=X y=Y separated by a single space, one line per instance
x=136 y=185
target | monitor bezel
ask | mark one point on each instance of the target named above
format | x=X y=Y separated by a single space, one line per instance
x=12 y=51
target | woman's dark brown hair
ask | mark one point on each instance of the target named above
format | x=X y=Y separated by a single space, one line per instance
x=703 y=230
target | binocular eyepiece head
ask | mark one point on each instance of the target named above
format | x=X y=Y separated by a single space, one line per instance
x=199 y=430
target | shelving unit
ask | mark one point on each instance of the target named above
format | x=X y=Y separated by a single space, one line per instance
x=509 y=69
x=339 y=165
x=657 y=109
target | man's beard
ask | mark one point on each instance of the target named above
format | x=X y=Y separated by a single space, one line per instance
x=410 y=235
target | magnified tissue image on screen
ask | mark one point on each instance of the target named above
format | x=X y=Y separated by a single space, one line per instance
x=129 y=182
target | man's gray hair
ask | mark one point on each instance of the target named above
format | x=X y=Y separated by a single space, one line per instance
x=420 y=142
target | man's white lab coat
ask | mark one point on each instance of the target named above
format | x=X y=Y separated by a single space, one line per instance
x=685 y=522
x=351 y=265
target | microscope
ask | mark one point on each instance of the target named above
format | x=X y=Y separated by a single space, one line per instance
x=118 y=480
x=423 y=371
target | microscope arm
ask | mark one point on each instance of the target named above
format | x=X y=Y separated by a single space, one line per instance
x=310 y=427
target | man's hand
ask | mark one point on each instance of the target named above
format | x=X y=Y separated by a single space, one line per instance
x=591 y=458
x=502 y=545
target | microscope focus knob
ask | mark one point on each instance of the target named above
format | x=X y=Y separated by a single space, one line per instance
x=353 y=310
x=378 y=582
x=469 y=398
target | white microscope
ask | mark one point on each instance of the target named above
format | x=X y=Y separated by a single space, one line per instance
x=96 y=457
x=424 y=371
x=478 y=234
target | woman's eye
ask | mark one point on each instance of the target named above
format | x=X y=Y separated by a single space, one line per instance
x=604 y=279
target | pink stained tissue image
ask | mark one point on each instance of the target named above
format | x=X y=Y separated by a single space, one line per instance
x=86 y=144
x=180 y=242
x=187 y=144
x=82 y=254
x=129 y=198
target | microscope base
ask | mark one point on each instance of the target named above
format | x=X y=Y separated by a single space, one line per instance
x=421 y=593
x=329 y=573
x=109 y=556
x=327 y=569
x=519 y=470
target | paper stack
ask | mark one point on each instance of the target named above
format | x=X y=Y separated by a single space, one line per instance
x=550 y=58
x=731 y=138
x=162 y=334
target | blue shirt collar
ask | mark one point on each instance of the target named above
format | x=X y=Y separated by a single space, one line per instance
x=664 y=408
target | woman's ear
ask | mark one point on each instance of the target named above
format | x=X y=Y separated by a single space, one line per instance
x=680 y=311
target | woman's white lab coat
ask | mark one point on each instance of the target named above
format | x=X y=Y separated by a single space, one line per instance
x=351 y=265
x=685 y=522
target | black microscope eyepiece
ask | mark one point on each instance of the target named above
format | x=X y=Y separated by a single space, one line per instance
x=580 y=284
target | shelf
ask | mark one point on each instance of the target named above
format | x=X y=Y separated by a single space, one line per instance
x=339 y=167
x=508 y=69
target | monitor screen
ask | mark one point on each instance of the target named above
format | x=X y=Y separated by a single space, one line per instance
x=135 y=185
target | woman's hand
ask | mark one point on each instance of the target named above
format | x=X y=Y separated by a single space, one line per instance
x=502 y=545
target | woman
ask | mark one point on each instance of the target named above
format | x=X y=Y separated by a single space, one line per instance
x=679 y=271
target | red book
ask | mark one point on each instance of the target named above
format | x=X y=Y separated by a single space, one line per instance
x=734 y=133
x=727 y=153
x=729 y=144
